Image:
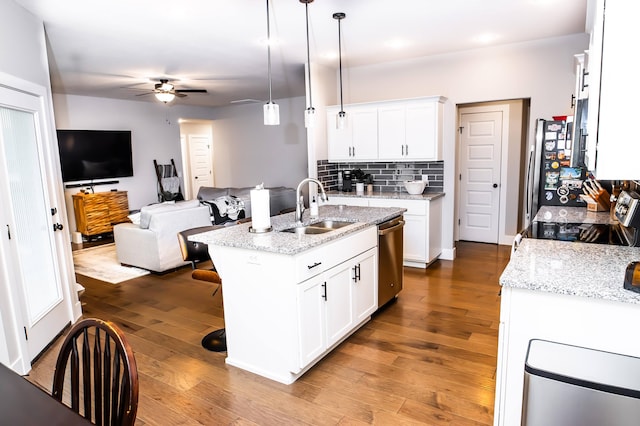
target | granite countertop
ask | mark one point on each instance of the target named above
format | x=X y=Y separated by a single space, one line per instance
x=557 y=214
x=290 y=243
x=588 y=270
x=393 y=195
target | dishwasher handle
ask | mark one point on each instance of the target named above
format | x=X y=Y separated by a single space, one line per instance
x=385 y=231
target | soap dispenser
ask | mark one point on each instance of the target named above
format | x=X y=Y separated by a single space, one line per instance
x=313 y=207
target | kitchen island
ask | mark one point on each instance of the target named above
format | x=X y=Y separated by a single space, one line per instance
x=564 y=292
x=290 y=298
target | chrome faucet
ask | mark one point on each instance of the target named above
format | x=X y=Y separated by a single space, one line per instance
x=300 y=200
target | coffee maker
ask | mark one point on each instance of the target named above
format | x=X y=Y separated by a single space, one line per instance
x=347 y=181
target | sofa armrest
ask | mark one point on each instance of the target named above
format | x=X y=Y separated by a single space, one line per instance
x=136 y=247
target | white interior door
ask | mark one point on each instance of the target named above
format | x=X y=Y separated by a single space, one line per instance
x=200 y=162
x=27 y=236
x=480 y=157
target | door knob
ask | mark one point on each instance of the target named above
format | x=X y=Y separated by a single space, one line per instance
x=57 y=227
x=495 y=185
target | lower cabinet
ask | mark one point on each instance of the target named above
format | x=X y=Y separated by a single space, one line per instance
x=422 y=229
x=283 y=313
x=334 y=303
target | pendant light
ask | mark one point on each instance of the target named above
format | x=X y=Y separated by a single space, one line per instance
x=341 y=118
x=310 y=112
x=271 y=109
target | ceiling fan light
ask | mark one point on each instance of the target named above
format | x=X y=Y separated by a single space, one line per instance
x=271 y=114
x=166 y=87
x=165 y=97
x=310 y=117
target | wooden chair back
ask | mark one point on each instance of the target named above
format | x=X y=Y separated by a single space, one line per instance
x=102 y=378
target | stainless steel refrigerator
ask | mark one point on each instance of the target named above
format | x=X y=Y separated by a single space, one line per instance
x=554 y=174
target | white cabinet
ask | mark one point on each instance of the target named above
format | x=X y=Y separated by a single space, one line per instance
x=283 y=313
x=422 y=230
x=358 y=141
x=612 y=152
x=334 y=303
x=401 y=130
x=410 y=130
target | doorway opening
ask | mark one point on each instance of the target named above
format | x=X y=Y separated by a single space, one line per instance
x=492 y=141
x=196 y=140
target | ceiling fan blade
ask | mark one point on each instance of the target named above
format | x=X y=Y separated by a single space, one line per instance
x=144 y=94
x=191 y=90
x=180 y=95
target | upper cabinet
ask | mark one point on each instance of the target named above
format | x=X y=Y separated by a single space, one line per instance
x=402 y=130
x=612 y=151
x=358 y=140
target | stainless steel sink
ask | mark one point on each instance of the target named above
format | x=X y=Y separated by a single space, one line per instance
x=318 y=227
x=307 y=230
x=331 y=224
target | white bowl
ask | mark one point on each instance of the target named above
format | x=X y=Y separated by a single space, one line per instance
x=415 y=187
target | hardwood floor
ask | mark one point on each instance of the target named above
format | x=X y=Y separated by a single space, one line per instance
x=429 y=358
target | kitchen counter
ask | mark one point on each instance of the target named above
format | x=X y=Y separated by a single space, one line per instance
x=563 y=292
x=588 y=270
x=238 y=236
x=556 y=214
x=393 y=195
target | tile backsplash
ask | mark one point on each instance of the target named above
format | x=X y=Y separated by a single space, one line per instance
x=387 y=177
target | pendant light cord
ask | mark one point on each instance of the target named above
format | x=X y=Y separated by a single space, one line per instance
x=269 y=50
x=306 y=6
x=340 y=59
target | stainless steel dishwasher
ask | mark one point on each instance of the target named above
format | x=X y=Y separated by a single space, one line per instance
x=390 y=254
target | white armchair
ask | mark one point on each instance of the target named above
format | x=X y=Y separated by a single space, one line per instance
x=153 y=243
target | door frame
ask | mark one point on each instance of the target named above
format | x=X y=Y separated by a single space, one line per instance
x=501 y=106
x=12 y=305
x=186 y=152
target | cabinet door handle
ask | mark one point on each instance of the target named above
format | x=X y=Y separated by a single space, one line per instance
x=406 y=150
x=354 y=151
x=585 y=73
x=356 y=273
x=402 y=146
x=314 y=265
x=324 y=290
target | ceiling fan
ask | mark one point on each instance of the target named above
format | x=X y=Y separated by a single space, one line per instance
x=166 y=91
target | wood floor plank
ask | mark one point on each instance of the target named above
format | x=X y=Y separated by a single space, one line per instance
x=427 y=359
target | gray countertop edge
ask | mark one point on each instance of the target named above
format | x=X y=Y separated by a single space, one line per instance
x=389 y=195
x=576 y=269
x=238 y=236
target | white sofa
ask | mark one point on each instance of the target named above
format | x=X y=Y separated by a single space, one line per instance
x=152 y=243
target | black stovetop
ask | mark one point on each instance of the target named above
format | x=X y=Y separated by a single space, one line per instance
x=614 y=234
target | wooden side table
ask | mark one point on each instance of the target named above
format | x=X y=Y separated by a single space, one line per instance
x=97 y=213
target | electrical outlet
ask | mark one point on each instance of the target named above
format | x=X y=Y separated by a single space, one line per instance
x=425 y=178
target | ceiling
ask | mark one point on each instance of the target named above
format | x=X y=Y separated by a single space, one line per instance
x=121 y=48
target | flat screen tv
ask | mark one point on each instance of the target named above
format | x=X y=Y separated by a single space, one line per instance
x=95 y=154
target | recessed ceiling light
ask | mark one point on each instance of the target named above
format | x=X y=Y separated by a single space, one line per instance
x=330 y=55
x=485 y=38
x=397 y=43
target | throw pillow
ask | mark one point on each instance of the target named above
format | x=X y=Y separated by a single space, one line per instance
x=226 y=208
x=135 y=218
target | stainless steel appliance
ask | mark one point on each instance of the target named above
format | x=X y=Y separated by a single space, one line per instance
x=347 y=181
x=390 y=254
x=554 y=176
x=572 y=385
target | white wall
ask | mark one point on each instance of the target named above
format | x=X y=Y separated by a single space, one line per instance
x=247 y=152
x=540 y=70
